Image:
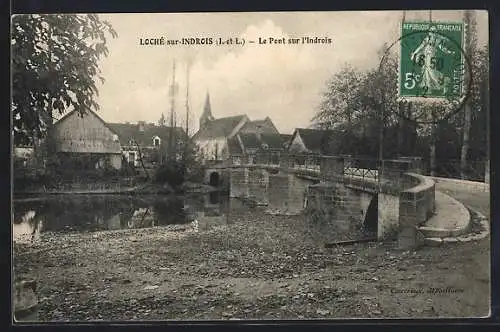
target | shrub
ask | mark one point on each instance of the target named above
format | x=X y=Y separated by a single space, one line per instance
x=173 y=173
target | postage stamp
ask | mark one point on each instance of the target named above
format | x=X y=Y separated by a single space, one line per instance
x=432 y=62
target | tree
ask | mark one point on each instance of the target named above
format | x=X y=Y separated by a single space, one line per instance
x=361 y=104
x=470 y=49
x=162 y=120
x=341 y=100
x=54 y=68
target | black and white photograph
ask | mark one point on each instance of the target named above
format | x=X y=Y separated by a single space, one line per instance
x=252 y=166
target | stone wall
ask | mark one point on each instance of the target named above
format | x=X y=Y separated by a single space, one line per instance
x=416 y=206
x=258 y=184
x=388 y=216
x=340 y=210
x=238 y=186
x=331 y=169
x=287 y=193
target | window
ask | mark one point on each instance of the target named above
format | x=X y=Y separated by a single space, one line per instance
x=236 y=160
x=156 y=141
x=131 y=157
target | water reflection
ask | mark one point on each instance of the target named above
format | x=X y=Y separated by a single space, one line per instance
x=91 y=213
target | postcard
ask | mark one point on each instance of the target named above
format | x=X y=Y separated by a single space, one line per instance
x=250 y=166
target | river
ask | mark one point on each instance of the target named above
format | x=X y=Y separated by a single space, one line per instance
x=87 y=213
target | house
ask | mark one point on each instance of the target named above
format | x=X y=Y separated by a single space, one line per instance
x=86 y=141
x=223 y=138
x=285 y=138
x=149 y=141
x=312 y=141
x=305 y=144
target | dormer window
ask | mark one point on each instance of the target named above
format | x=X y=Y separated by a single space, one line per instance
x=156 y=141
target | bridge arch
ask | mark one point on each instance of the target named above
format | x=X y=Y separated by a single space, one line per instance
x=215 y=179
x=370 y=222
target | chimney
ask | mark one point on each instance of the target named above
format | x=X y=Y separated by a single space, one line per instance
x=141 y=124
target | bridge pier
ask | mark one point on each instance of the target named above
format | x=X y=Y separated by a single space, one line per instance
x=388 y=216
x=258 y=185
x=238 y=187
x=287 y=193
x=346 y=201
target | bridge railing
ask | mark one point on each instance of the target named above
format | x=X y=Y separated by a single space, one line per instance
x=359 y=170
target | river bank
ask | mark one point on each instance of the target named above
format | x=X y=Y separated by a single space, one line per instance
x=146 y=188
x=250 y=268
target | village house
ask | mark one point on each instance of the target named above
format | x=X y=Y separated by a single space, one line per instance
x=307 y=144
x=86 y=142
x=235 y=137
x=149 y=142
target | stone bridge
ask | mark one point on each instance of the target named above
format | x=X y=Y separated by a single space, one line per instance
x=389 y=197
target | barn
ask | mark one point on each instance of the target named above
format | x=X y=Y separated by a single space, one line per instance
x=86 y=142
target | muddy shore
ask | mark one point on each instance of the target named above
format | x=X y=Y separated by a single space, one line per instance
x=248 y=269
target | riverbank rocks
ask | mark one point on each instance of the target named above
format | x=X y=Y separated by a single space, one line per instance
x=25 y=300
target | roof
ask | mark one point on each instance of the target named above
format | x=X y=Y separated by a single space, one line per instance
x=67 y=115
x=250 y=140
x=219 y=127
x=273 y=141
x=234 y=146
x=265 y=125
x=316 y=140
x=286 y=138
x=127 y=132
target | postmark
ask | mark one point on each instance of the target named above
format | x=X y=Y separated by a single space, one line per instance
x=434 y=71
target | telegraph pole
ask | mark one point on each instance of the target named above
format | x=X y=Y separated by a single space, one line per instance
x=187 y=110
x=171 y=142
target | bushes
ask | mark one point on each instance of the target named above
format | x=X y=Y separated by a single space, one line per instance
x=173 y=173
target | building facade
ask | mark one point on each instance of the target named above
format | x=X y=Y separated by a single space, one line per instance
x=235 y=137
x=148 y=143
x=86 y=141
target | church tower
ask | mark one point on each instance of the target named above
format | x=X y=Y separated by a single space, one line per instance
x=207 y=113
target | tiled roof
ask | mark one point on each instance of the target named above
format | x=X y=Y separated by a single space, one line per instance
x=233 y=146
x=250 y=140
x=219 y=127
x=126 y=132
x=273 y=141
x=265 y=125
x=317 y=141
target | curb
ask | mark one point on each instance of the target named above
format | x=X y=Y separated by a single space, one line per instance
x=434 y=232
x=465 y=238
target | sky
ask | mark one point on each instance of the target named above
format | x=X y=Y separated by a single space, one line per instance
x=284 y=82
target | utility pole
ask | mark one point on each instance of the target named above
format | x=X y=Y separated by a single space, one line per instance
x=171 y=142
x=187 y=110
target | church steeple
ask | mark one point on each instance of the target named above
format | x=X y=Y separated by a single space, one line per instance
x=207 y=112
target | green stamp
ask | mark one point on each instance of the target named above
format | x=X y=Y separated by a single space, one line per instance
x=432 y=63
